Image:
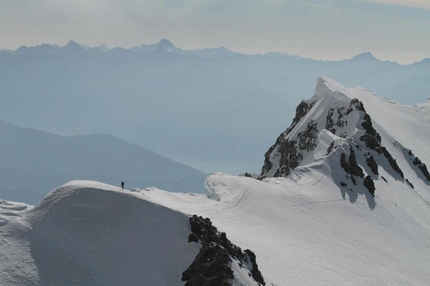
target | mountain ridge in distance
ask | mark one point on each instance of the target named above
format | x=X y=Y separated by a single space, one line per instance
x=131 y=95
x=202 y=52
x=38 y=161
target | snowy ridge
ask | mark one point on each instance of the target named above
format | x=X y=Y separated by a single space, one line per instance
x=89 y=233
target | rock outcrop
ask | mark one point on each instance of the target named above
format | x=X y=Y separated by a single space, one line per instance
x=213 y=264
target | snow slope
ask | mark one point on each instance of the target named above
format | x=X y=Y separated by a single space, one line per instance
x=87 y=233
x=305 y=227
x=308 y=229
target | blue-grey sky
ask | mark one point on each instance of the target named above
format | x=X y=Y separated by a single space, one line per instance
x=397 y=30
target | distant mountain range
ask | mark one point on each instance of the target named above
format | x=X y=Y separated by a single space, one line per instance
x=212 y=109
x=73 y=46
x=34 y=162
x=168 y=46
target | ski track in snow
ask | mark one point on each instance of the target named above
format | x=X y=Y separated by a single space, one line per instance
x=317 y=202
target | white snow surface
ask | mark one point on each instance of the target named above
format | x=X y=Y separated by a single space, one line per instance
x=89 y=233
x=303 y=229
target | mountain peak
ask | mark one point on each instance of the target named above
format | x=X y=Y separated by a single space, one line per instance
x=328 y=88
x=364 y=57
x=166 y=44
x=104 y=48
x=73 y=46
x=334 y=131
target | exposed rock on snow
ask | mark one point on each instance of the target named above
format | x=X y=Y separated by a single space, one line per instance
x=213 y=265
x=339 y=121
x=289 y=151
x=351 y=166
x=89 y=233
x=417 y=163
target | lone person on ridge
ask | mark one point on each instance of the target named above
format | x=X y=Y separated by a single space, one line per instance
x=122 y=185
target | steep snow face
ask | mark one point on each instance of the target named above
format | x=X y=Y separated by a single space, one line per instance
x=336 y=127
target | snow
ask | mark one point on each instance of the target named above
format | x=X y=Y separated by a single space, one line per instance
x=304 y=229
x=409 y=125
x=242 y=275
x=305 y=233
x=88 y=233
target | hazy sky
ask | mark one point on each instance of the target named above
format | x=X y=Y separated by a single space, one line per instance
x=397 y=30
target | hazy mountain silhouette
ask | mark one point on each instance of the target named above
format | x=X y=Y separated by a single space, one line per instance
x=33 y=162
x=210 y=108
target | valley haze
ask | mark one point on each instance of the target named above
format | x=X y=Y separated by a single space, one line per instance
x=212 y=109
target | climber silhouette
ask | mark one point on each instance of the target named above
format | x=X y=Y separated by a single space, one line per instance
x=122 y=185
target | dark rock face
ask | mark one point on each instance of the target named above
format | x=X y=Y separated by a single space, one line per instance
x=420 y=165
x=351 y=167
x=329 y=121
x=372 y=140
x=369 y=184
x=211 y=265
x=357 y=104
x=290 y=158
x=289 y=150
x=330 y=148
x=368 y=126
x=307 y=138
x=267 y=163
x=354 y=171
x=371 y=163
x=301 y=110
x=391 y=161
x=410 y=184
x=423 y=168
